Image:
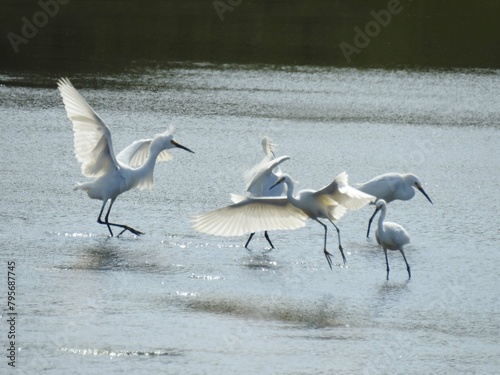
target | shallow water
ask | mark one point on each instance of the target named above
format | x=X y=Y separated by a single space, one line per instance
x=174 y=300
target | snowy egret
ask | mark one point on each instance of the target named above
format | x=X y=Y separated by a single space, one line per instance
x=133 y=167
x=390 y=187
x=390 y=236
x=262 y=176
x=252 y=214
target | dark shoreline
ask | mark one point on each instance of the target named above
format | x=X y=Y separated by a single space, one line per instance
x=112 y=35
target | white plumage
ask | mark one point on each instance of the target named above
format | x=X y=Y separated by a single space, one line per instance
x=257 y=214
x=390 y=236
x=251 y=215
x=266 y=175
x=269 y=149
x=262 y=176
x=133 y=167
x=136 y=154
x=392 y=186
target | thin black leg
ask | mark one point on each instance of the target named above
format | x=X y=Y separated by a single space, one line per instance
x=407 y=265
x=103 y=222
x=387 y=263
x=328 y=256
x=106 y=221
x=249 y=239
x=340 y=245
x=268 y=239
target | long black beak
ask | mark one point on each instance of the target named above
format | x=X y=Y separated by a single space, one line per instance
x=280 y=180
x=184 y=147
x=424 y=193
x=370 y=222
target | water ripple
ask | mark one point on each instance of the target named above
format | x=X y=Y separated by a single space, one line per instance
x=120 y=352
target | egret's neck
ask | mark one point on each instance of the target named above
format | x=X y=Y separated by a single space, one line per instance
x=150 y=163
x=382 y=218
x=289 y=191
x=144 y=174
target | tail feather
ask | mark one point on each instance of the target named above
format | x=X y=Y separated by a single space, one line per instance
x=82 y=186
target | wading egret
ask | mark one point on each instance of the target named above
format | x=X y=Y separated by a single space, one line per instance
x=285 y=213
x=262 y=176
x=390 y=187
x=133 y=167
x=390 y=236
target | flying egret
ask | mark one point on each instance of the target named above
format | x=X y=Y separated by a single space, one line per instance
x=262 y=176
x=252 y=214
x=133 y=167
x=390 y=187
x=390 y=236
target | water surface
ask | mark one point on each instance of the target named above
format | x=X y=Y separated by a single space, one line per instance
x=176 y=301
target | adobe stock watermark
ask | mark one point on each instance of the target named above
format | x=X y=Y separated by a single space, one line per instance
x=222 y=6
x=372 y=29
x=29 y=28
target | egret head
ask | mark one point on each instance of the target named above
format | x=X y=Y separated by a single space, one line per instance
x=380 y=203
x=417 y=184
x=166 y=141
x=175 y=144
x=286 y=179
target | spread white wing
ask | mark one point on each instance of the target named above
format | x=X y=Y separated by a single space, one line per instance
x=250 y=215
x=269 y=148
x=264 y=178
x=92 y=138
x=340 y=191
x=136 y=154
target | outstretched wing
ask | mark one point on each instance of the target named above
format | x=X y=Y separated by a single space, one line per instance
x=347 y=196
x=250 y=215
x=269 y=147
x=265 y=178
x=135 y=154
x=92 y=138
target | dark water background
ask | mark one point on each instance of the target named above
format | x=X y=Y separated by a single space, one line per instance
x=110 y=35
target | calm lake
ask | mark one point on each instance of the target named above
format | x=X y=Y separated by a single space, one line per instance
x=176 y=301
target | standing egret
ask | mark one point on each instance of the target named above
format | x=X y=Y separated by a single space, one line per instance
x=390 y=236
x=285 y=213
x=390 y=187
x=133 y=167
x=262 y=176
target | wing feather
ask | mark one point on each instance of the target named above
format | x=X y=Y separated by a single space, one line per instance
x=92 y=138
x=349 y=197
x=250 y=215
x=264 y=178
x=269 y=147
x=135 y=154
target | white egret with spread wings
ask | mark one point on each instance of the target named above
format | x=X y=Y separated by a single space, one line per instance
x=285 y=213
x=262 y=176
x=133 y=167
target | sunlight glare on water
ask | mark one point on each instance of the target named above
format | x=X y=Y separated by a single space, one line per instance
x=175 y=300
